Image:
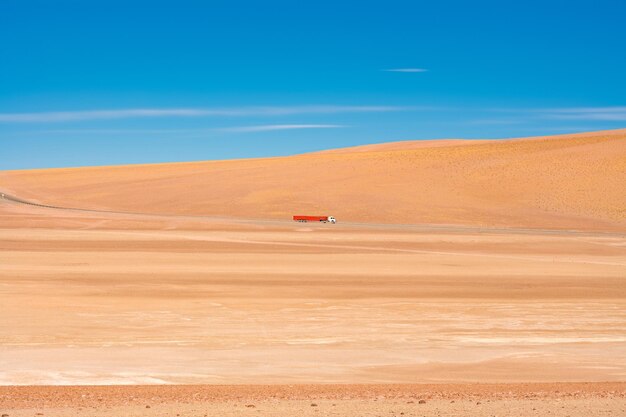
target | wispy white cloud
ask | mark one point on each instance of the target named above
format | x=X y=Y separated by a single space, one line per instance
x=616 y=113
x=266 y=128
x=405 y=70
x=69 y=116
x=550 y=120
x=534 y=115
x=179 y=133
x=104 y=131
x=492 y=121
x=578 y=113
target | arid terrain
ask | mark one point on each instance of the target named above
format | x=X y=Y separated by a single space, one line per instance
x=560 y=182
x=500 y=262
x=446 y=400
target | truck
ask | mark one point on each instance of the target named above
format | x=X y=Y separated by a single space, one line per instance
x=323 y=219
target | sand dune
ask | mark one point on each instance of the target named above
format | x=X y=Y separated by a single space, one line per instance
x=112 y=298
x=570 y=181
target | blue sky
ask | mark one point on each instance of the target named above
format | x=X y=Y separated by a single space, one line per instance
x=117 y=82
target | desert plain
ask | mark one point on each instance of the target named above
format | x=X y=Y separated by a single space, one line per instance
x=481 y=277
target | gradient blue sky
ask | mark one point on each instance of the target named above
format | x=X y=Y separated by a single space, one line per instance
x=116 y=82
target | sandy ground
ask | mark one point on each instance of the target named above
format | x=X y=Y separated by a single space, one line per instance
x=562 y=400
x=515 y=273
x=95 y=299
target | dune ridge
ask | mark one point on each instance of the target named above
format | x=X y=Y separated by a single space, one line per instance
x=569 y=181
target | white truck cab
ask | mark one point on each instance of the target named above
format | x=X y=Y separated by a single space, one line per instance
x=332 y=219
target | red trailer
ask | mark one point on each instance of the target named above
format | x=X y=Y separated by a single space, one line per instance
x=323 y=219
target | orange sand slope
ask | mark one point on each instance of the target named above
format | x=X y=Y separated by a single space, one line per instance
x=570 y=181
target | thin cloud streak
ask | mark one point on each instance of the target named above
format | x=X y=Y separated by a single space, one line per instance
x=495 y=121
x=406 y=70
x=113 y=131
x=606 y=113
x=617 y=113
x=589 y=109
x=233 y=129
x=266 y=128
x=70 y=116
